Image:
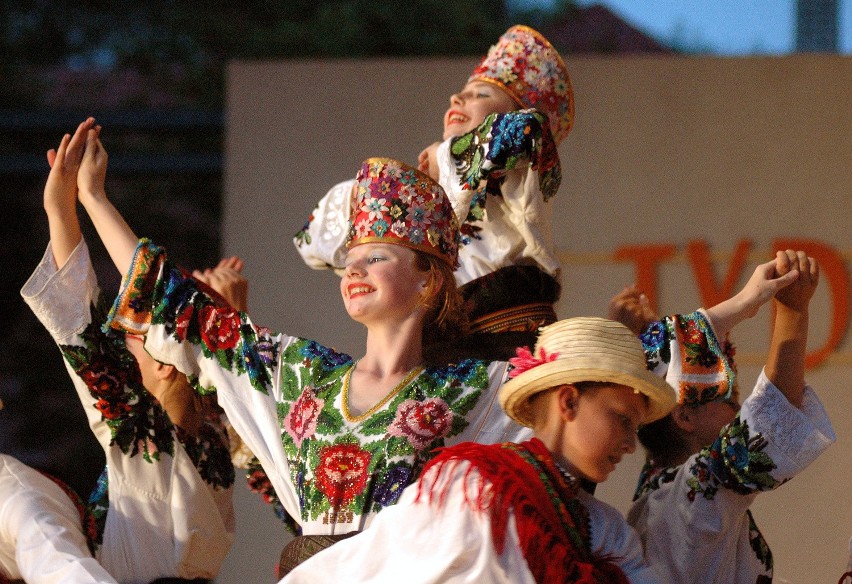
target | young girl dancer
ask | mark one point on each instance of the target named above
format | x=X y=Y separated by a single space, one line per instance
x=339 y=437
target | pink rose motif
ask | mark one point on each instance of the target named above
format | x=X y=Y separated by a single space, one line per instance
x=421 y=422
x=301 y=421
x=526 y=360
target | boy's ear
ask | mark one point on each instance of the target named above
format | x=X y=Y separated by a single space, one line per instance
x=568 y=398
x=685 y=417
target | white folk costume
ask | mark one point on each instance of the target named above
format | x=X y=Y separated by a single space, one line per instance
x=508 y=513
x=443 y=531
x=287 y=397
x=499 y=179
x=163 y=506
x=694 y=519
x=42 y=534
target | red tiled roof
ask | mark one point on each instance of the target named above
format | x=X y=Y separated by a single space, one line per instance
x=596 y=29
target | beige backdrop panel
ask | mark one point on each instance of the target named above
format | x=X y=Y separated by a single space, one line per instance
x=665 y=149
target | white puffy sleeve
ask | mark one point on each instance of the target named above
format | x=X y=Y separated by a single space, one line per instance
x=322 y=241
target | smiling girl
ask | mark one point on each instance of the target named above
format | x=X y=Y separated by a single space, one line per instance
x=339 y=437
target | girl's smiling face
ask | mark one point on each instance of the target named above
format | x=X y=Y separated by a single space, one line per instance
x=469 y=107
x=381 y=281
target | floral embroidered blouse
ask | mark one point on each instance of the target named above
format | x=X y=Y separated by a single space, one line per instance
x=694 y=519
x=285 y=397
x=163 y=506
x=459 y=537
x=499 y=178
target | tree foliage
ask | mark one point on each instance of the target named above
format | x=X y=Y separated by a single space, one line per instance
x=184 y=44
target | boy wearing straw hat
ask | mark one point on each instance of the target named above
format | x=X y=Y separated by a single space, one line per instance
x=515 y=512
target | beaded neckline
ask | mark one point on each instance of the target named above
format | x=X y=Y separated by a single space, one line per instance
x=390 y=395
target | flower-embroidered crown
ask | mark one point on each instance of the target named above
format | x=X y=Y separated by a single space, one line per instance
x=684 y=349
x=395 y=203
x=525 y=65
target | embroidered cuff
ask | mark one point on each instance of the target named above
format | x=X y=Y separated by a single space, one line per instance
x=799 y=435
x=61 y=299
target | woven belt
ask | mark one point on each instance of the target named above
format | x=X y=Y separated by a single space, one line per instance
x=303 y=547
x=526 y=318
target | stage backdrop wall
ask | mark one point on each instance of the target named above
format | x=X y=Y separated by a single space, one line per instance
x=677 y=169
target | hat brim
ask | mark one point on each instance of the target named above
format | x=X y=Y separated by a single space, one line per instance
x=515 y=394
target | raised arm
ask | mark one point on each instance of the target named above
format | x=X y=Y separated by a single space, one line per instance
x=785 y=365
x=116 y=234
x=60 y=193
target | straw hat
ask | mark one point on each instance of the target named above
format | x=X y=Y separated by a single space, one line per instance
x=395 y=203
x=526 y=66
x=583 y=349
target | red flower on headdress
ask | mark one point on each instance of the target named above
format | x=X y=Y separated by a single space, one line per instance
x=526 y=360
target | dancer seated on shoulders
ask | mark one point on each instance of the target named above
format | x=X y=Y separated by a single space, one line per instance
x=499 y=165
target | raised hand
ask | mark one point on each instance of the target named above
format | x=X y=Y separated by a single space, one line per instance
x=761 y=287
x=798 y=294
x=632 y=308
x=60 y=190
x=226 y=278
x=93 y=167
x=60 y=193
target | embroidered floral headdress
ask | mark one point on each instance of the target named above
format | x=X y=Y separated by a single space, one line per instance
x=395 y=203
x=525 y=65
x=684 y=349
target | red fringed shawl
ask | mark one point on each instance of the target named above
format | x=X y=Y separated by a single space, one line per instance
x=552 y=523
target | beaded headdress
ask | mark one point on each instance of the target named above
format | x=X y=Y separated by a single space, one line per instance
x=684 y=349
x=395 y=203
x=525 y=65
